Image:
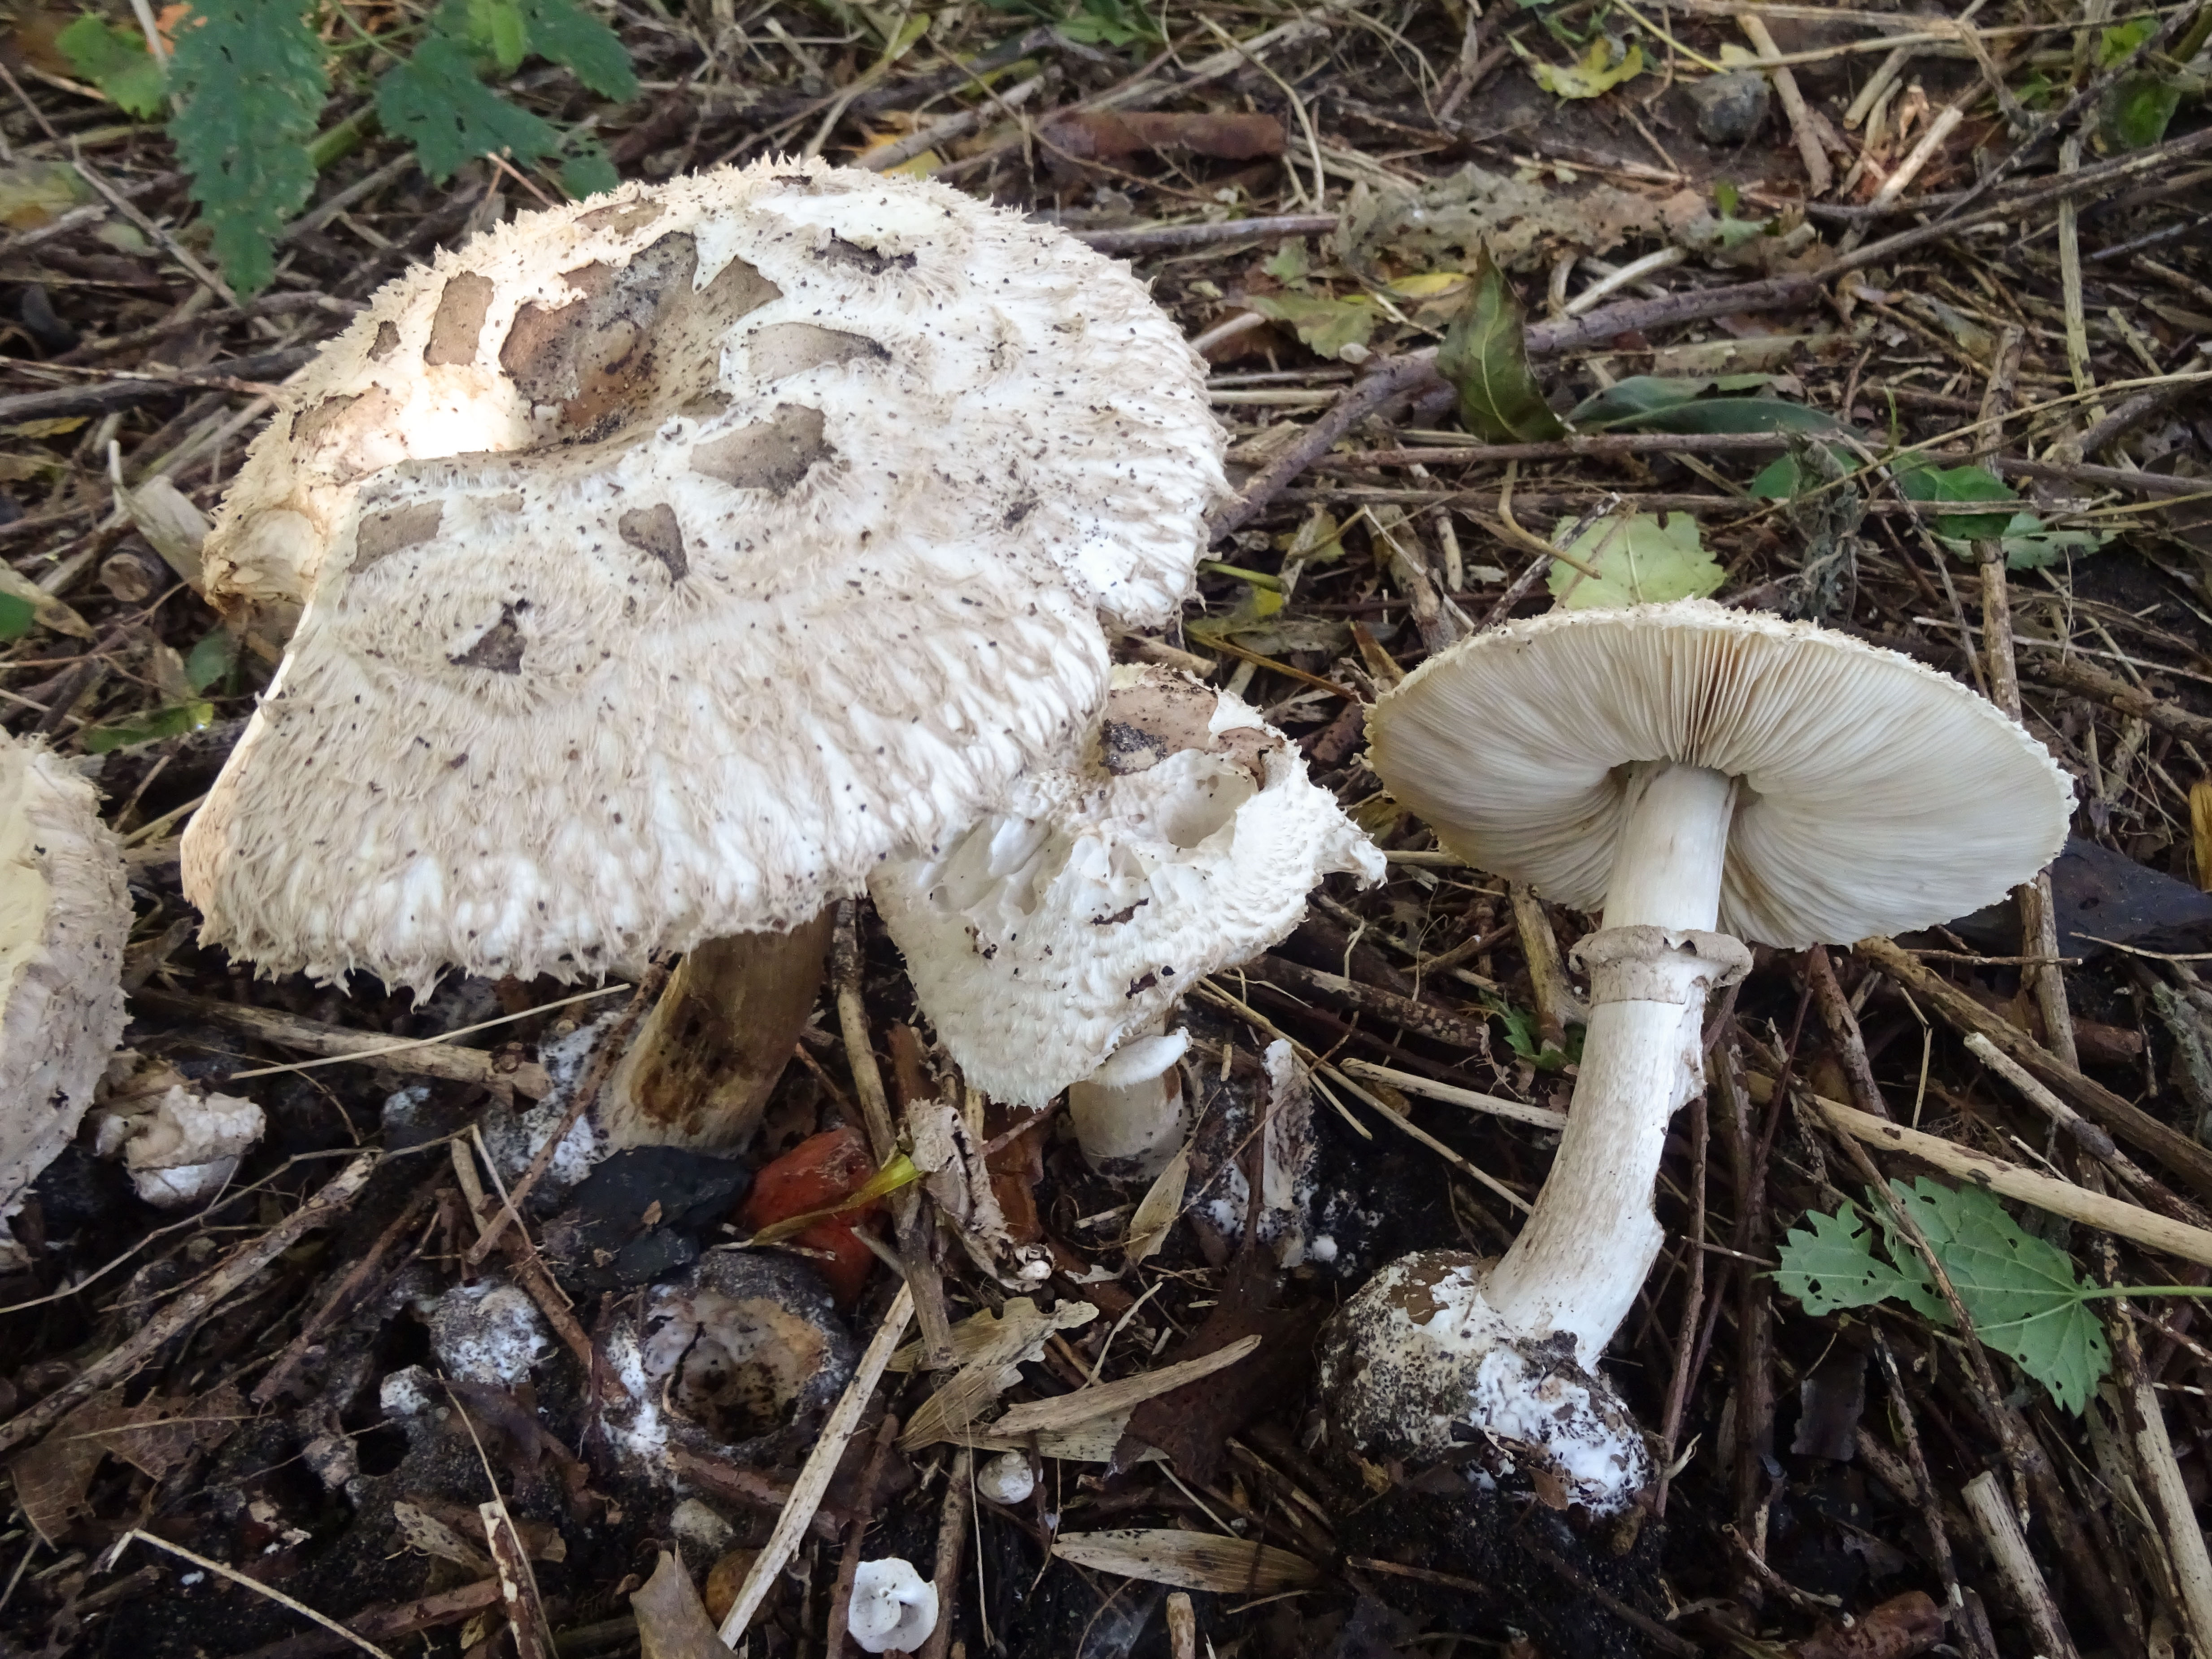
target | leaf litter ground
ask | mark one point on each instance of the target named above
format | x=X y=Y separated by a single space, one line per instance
x=1852 y=448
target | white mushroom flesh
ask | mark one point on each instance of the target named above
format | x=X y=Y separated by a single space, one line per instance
x=1057 y=934
x=894 y=1609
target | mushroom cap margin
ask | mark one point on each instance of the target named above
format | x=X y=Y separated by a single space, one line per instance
x=1878 y=795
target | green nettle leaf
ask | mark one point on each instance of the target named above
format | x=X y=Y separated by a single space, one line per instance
x=563 y=32
x=2138 y=110
x=116 y=61
x=2029 y=546
x=1830 y=1265
x=2022 y=1293
x=1485 y=354
x=1640 y=559
x=1917 y=481
x=249 y=78
x=435 y=102
x=588 y=172
x=1327 y=326
x=172 y=722
x=16 y=617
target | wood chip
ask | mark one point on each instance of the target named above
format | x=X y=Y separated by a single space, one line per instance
x=1189 y=1560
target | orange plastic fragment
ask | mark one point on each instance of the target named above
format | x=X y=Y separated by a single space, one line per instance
x=814 y=1174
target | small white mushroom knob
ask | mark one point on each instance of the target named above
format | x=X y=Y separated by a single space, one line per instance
x=1007 y=1478
x=894 y=1607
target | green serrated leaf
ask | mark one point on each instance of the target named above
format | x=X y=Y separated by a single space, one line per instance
x=249 y=79
x=564 y=32
x=1640 y=558
x=1327 y=326
x=16 y=617
x=1597 y=71
x=1917 y=481
x=1485 y=354
x=1829 y=1264
x=171 y=722
x=435 y=102
x=116 y=61
x=2022 y=1293
x=588 y=172
x=2029 y=546
x=210 y=659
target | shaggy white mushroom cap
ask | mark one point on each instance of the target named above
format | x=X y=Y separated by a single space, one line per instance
x=64 y=918
x=893 y=1608
x=670 y=560
x=1877 y=795
x=1083 y=910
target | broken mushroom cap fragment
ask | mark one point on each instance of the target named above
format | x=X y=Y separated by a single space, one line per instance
x=894 y=1609
x=64 y=918
x=1048 y=943
x=180 y=1140
x=669 y=560
x=1706 y=776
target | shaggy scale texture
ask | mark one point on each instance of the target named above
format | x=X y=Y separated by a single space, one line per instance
x=669 y=560
x=1878 y=796
x=1085 y=909
x=64 y=918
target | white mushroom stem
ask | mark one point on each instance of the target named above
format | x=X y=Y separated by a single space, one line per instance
x=1578 y=1263
x=1128 y=1115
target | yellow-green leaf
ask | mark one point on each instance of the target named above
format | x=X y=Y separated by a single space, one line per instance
x=1326 y=326
x=1597 y=71
x=1640 y=559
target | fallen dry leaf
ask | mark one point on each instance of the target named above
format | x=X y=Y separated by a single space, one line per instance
x=671 y=1622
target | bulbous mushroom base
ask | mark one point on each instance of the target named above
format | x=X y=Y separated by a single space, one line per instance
x=1418 y=1366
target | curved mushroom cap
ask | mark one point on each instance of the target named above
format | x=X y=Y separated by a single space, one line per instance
x=65 y=917
x=1086 y=907
x=1877 y=795
x=670 y=560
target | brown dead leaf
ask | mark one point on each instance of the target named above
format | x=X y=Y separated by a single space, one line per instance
x=671 y=1622
x=53 y=1478
x=1096 y=135
x=160 y=1434
x=1192 y=1422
